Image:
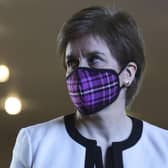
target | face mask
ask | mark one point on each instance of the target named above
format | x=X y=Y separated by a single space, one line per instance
x=91 y=90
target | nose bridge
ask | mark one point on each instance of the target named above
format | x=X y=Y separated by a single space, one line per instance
x=83 y=62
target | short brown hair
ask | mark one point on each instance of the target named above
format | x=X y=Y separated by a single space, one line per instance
x=120 y=32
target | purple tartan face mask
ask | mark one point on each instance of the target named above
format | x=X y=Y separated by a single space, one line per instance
x=93 y=89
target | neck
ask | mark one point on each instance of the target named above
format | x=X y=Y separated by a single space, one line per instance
x=108 y=125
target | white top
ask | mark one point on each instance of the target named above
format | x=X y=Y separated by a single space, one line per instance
x=58 y=144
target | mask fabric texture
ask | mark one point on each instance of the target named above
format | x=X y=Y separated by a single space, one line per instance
x=93 y=89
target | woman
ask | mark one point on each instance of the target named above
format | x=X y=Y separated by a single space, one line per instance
x=104 y=61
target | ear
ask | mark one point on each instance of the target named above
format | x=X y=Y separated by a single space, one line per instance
x=128 y=74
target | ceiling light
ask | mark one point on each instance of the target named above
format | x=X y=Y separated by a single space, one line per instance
x=13 y=105
x=4 y=73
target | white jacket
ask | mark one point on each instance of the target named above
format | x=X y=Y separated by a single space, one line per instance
x=58 y=144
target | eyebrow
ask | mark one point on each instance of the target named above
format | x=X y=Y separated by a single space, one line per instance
x=87 y=54
x=95 y=53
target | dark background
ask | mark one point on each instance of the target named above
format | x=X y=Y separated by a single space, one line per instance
x=28 y=30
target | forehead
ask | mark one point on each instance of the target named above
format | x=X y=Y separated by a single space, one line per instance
x=86 y=44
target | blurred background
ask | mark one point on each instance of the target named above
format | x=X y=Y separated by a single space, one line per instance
x=28 y=30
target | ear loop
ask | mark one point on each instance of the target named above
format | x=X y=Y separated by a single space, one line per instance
x=123 y=86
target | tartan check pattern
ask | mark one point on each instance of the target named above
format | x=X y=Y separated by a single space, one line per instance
x=92 y=89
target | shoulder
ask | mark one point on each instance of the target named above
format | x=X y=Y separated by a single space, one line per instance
x=45 y=127
x=154 y=129
x=44 y=132
x=155 y=133
x=35 y=135
x=32 y=138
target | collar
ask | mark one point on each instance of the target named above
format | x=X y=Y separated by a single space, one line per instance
x=93 y=152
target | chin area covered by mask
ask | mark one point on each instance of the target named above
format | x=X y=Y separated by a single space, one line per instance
x=91 y=90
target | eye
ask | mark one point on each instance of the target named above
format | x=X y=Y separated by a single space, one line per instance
x=94 y=60
x=72 y=63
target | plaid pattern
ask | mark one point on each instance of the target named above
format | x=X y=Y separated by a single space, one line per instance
x=93 y=89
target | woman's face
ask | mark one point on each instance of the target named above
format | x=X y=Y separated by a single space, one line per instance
x=90 y=52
